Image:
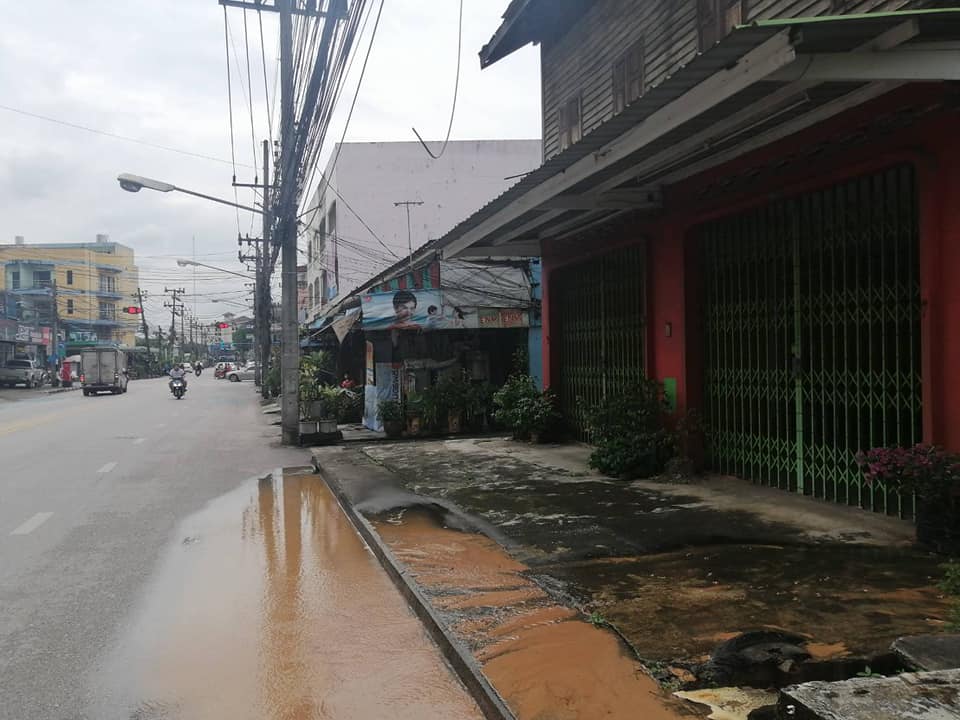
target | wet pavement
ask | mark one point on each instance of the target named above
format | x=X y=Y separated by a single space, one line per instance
x=677 y=569
x=545 y=659
x=268 y=606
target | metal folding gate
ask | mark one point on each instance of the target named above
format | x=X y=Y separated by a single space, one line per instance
x=600 y=320
x=812 y=337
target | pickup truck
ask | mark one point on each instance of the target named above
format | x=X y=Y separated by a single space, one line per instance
x=20 y=372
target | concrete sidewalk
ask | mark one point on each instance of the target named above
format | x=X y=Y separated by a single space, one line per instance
x=676 y=569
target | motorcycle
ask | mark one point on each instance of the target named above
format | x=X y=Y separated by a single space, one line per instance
x=178 y=387
x=198 y=370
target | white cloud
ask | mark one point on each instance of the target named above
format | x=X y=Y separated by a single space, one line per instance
x=155 y=70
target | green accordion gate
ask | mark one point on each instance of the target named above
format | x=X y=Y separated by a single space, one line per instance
x=812 y=337
x=600 y=320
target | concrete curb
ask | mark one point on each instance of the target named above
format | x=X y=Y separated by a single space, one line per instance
x=460 y=659
x=54 y=391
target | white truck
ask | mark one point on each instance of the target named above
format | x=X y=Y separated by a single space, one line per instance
x=21 y=372
x=103 y=370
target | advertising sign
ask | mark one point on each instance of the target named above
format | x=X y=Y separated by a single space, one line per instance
x=12 y=331
x=426 y=310
x=402 y=310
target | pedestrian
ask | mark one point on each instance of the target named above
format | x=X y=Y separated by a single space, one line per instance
x=347 y=383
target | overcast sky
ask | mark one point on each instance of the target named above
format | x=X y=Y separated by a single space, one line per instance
x=155 y=70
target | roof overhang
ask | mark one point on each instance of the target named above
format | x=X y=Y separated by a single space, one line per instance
x=763 y=82
x=530 y=21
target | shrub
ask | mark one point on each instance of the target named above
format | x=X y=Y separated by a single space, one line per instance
x=631 y=432
x=926 y=470
x=523 y=409
x=390 y=411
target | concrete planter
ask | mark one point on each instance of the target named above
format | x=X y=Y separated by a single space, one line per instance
x=308 y=427
x=328 y=425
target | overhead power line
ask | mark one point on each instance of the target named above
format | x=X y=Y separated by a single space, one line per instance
x=116 y=136
x=456 y=91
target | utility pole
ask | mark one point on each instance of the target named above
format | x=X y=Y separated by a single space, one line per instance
x=54 y=321
x=176 y=301
x=287 y=227
x=407 y=204
x=160 y=345
x=143 y=319
x=261 y=300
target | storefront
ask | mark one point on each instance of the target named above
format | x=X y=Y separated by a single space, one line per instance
x=24 y=341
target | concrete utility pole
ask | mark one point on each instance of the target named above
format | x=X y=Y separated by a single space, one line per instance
x=407 y=204
x=176 y=301
x=287 y=226
x=261 y=300
x=143 y=319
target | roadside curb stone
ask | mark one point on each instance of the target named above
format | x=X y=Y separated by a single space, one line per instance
x=460 y=659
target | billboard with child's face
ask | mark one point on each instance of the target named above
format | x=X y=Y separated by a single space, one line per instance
x=425 y=310
x=402 y=310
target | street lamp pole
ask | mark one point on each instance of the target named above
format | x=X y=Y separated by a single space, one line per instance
x=136 y=183
x=185 y=263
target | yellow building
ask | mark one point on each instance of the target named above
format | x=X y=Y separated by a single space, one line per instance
x=92 y=284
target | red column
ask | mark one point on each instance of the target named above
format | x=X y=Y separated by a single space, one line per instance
x=939 y=187
x=546 y=320
x=666 y=310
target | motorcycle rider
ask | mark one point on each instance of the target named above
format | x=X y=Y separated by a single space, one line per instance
x=177 y=373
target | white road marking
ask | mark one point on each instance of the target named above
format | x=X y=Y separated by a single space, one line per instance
x=138 y=441
x=162 y=425
x=33 y=523
x=107 y=468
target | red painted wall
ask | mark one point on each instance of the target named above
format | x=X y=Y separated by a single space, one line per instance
x=932 y=144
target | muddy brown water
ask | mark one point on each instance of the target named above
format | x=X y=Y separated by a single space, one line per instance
x=269 y=607
x=542 y=657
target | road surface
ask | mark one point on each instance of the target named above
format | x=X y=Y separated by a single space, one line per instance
x=155 y=564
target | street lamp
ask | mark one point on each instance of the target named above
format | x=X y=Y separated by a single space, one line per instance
x=184 y=263
x=136 y=183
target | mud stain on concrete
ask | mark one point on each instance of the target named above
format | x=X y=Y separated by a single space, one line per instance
x=856 y=598
x=276 y=611
x=538 y=654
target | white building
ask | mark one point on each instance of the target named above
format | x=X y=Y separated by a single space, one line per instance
x=356 y=228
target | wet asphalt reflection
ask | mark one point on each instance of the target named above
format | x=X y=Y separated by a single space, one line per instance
x=269 y=607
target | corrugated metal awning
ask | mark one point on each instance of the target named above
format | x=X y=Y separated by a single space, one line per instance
x=725 y=101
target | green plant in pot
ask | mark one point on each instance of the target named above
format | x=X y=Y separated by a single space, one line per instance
x=507 y=401
x=326 y=408
x=538 y=417
x=524 y=410
x=631 y=432
x=453 y=392
x=392 y=415
x=932 y=475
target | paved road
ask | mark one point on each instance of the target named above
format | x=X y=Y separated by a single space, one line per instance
x=93 y=492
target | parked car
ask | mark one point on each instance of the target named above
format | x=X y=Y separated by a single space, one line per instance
x=247 y=372
x=21 y=372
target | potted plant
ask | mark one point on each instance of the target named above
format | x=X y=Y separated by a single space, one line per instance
x=309 y=392
x=431 y=405
x=391 y=413
x=932 y=475
x=326 y=408
x=538 y=416
x=414 y=415
x=508 y=400
x=452 y=393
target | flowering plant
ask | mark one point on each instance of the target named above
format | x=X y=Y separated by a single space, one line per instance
x=926 y=470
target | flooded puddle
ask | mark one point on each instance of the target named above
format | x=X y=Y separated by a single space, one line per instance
x=541 y=657
x=269 y=607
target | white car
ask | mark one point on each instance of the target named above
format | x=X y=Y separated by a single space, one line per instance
x=246 y=372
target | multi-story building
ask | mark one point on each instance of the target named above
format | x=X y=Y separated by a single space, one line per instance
x=89 y=284
x=357 y=219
